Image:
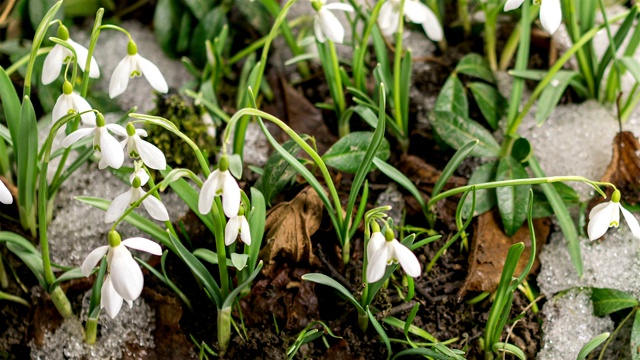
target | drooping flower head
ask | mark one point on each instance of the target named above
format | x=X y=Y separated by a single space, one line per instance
x=237 y=225
x=220 y=182
x=60 y=55
x=103 y=141
x=134 y=65
x=138 y=148
x=71 y=102
x=414 y=11
x=325 y=24
x=607 y=214
x=124 y=280
x=119 y=205
x=384 y=250
x=550 y=12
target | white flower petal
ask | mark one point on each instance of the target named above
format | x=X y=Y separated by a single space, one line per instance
x=118 y=206
x=141 y=174
x=82 y=105
x=102 y=164
x=5 y=194
x=76 y=135
x=339 y=7
x=61 y=108
x=117 y=129
x=150 y=154
x=376 y=241
x=120 y=77
x=155 y=207
x=52 y=64
x=110 y=300
x=512 y=4
x=378 y=264
x=318 y=30
x=207 y=193
x=245 y=232
x=92 y=259
x=600 y=221
x=389 y=22
x=231 y=230
x=111 y=150
x=153 y=74
x=143 y=244
x=432 y=26
x=550 y=15
x=331 y=26
x=141 y=132
x=631 y=221
x=416 y=11
x=407 y=259
x=82 y=53
x=596 y=209
x=230 y=195
x=126 y=275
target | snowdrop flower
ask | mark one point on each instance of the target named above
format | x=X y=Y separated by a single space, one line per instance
x=138 y=148
x=414 y=11
x=135 y=65
x=154 y=207
x=606 y=215
x=5 y=195
x=140 y=173
x=385 y=250
x=124 y=280
x=550 y=12
x=70 y=102
x=60 y=55
x=237 y=225
x=325 y=24
x=220 y=182
x=103 y=141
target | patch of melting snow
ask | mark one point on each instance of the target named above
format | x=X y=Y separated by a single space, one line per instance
x=131 y=326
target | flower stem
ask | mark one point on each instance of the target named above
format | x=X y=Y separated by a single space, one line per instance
x=91 y=331
x=397 y=66
x=61 y=302
x=224 y=329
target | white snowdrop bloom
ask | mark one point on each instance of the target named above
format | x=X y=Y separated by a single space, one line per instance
x=237 y=225
x=220 y=182
x=606 y=215
x=550 y=12
x=147 y=152
x=124 y=280
x=60 y=55
x=5 y=195
x=103 y=141
x=71 y=102
x=325 y=24
x=140 y=173
x=414 y=11
x=154 y=207
x=382 y=252
x=134 y=65
x=208 y=121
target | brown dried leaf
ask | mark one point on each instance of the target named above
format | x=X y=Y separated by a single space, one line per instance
x=489 y=250
x=624 y=169
x=289 y=227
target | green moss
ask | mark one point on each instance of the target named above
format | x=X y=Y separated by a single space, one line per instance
x=187 y=118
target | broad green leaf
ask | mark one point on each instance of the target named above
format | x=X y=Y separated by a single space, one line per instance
x=325 y=280
x=521 y=150
x=239 y=261
x=208 y=27
x=166 y=19
x=348 y=153
x=491 y=103
x=592 y=345
x=485 y=199
x=235 y=165
x=453 y=98
x=277 y=173
x=607 y=301
x=457 y=131
x=552 y=93
x=452 y=165
x=475 y=65
x=512 y=200
x=199 y=8
x=635 y=337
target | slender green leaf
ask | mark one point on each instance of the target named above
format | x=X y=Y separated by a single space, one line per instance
x=607 y=301
x=232 y=295
x=421 y=351
x=542 y=206
x=406 y=325
x=592 y=345
x=457 y=131
x=380 y=331
x=256 y=220
x=512 y=200
x=278 y=174
x=618 y=38
x=27 y=152
x=552 y=94
x=453 y=98
x=401 y=179
x=74 y=273
x=166 y=19
x=491 y=103
x=631 y=64
x=10 y=105
x=325 y=280
x=475 y=65
x=501 y=347
x=210 y=256
x=485 y=199
x=348 y=153
x=635 y=337
x=452 y=165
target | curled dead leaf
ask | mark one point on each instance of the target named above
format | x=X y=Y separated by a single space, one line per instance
x=489 y=249
x=624 y=169
x=289 y=227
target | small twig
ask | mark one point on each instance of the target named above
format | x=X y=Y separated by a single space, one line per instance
x=7 y=11
x=506 y=340
x=334 y=273
x=396 y=309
